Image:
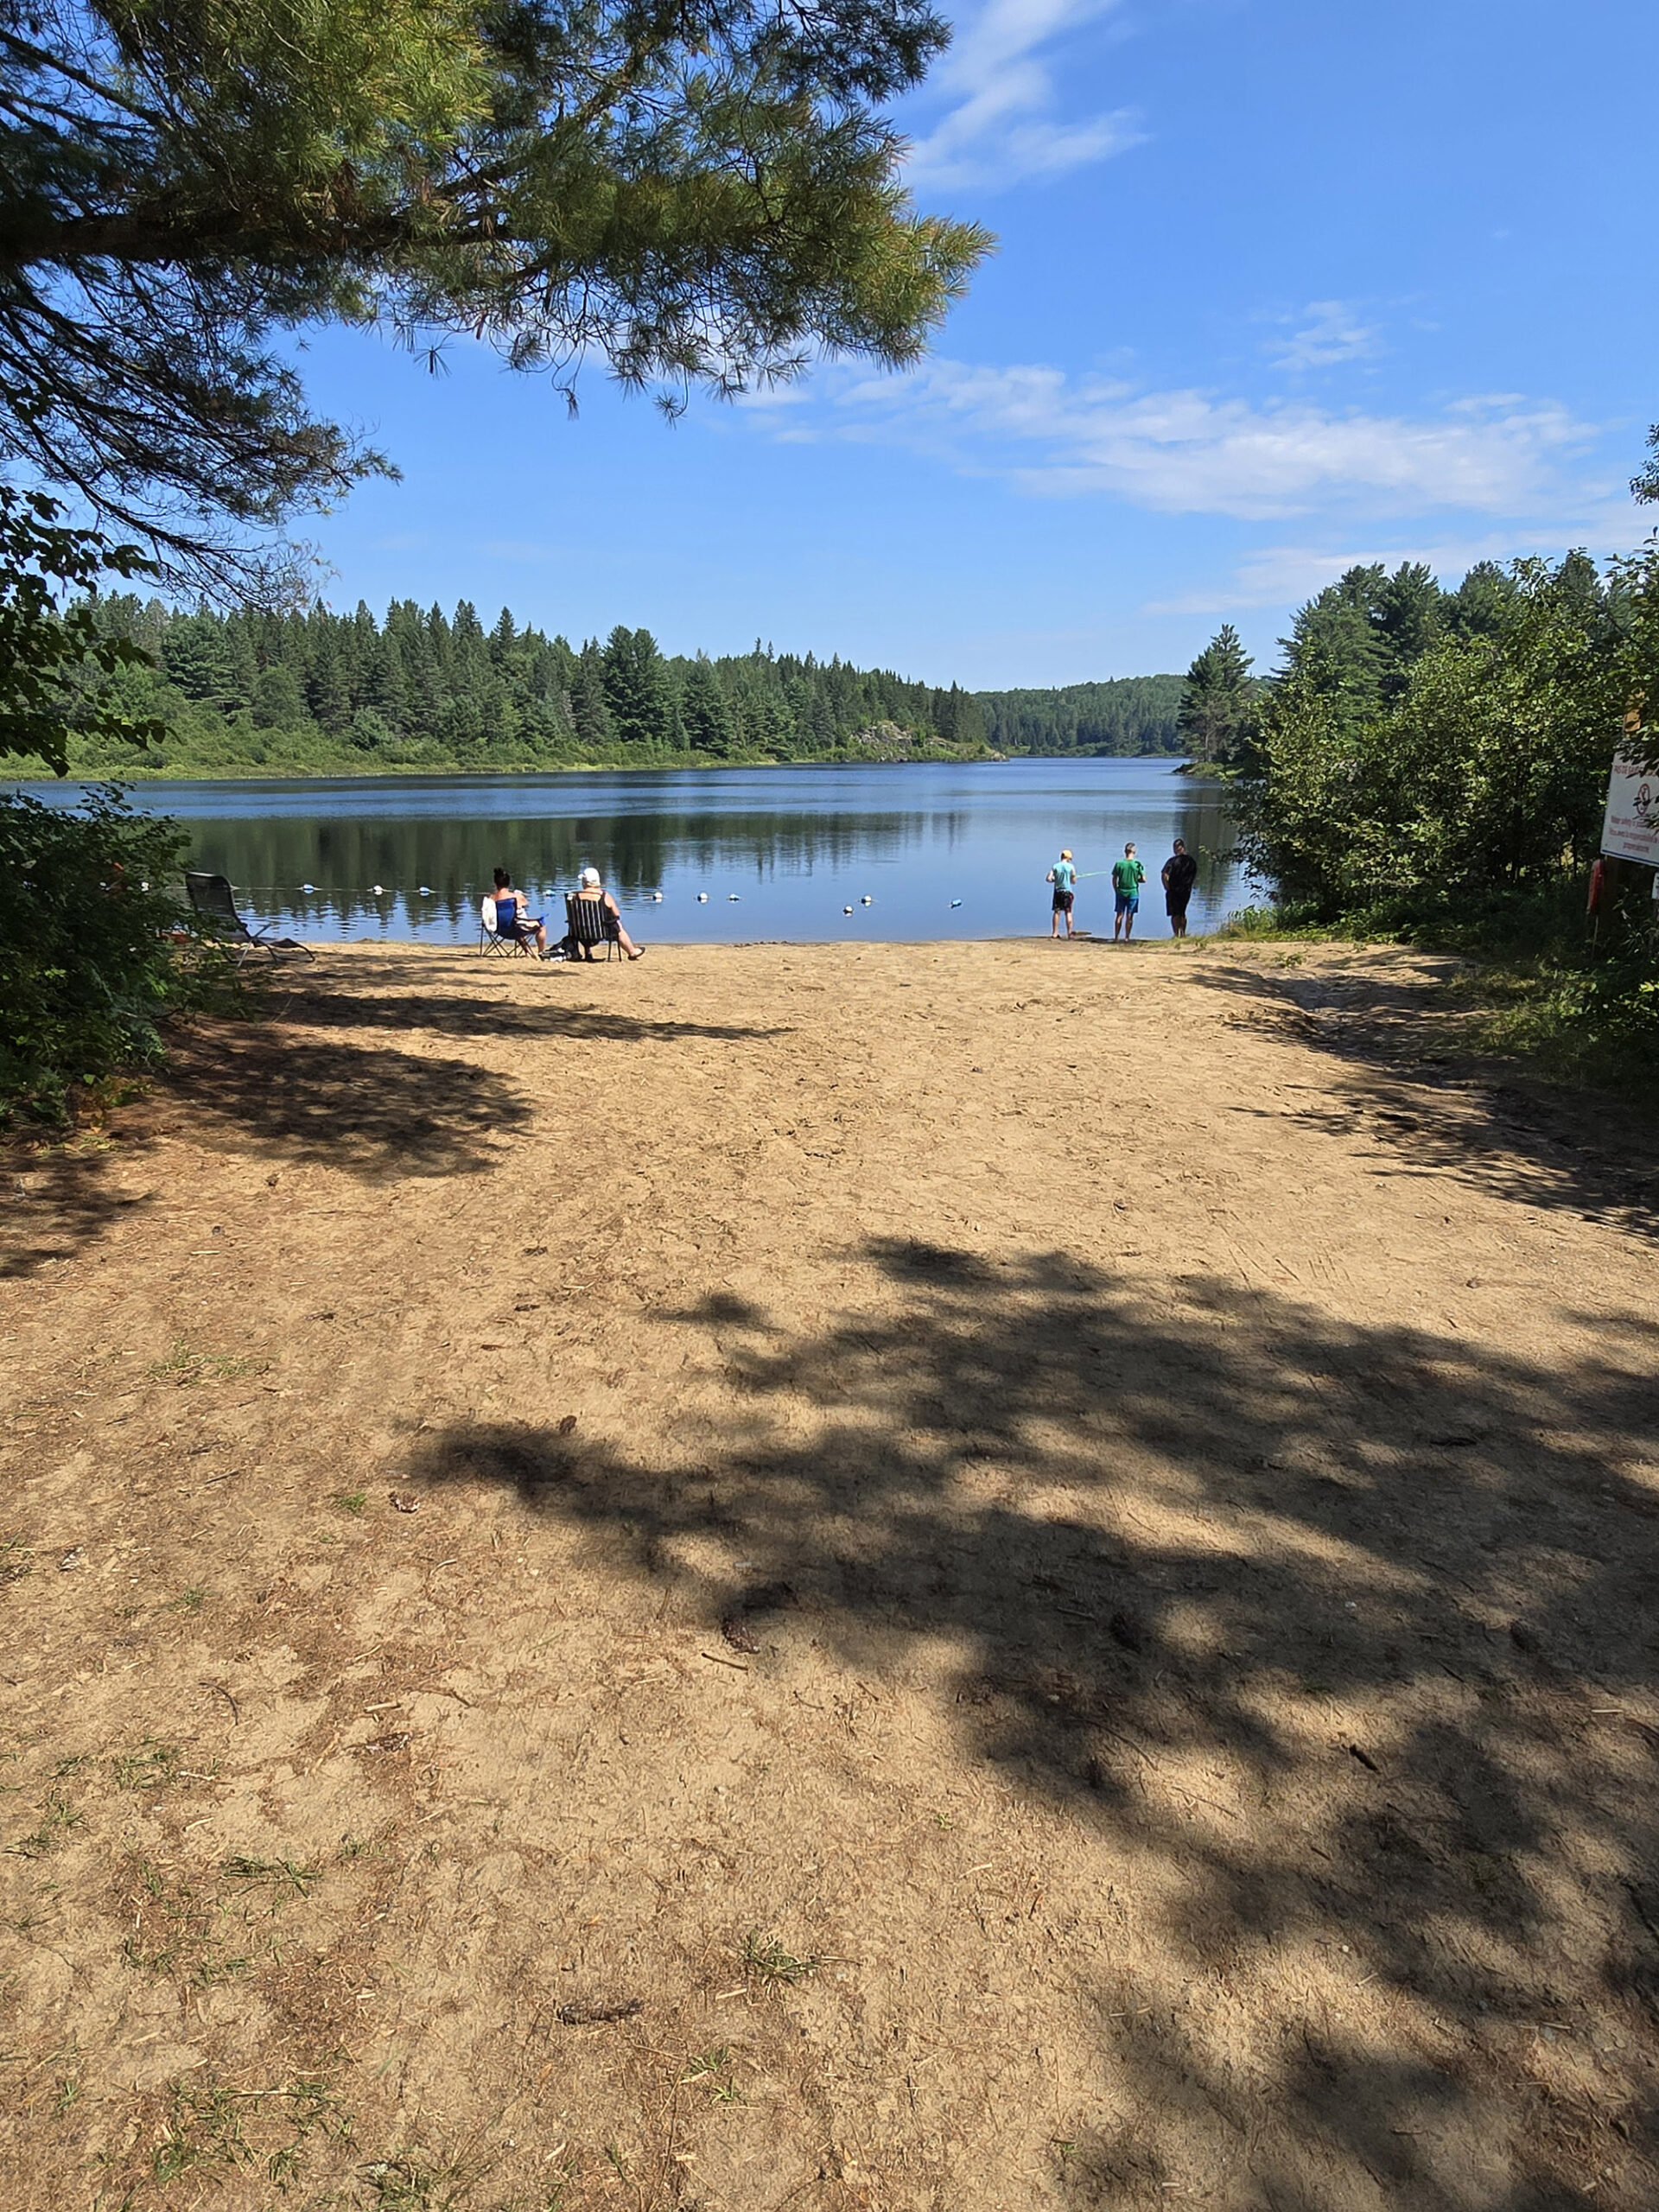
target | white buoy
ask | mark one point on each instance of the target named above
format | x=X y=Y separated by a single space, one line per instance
x=308 y=886
x=656 y=898
x=846 y=909
x=377 y=890
x=426 y=891
x=733 y=896
x=865 y=901
x=702 y=897
x=956 y=902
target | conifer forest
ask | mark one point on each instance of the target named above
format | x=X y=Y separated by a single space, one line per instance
x=313 y=691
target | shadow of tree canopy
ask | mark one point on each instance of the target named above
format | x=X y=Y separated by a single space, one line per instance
x=367 y=1111
x=1406 y=1077
x=456 y=1015
x=1334 y=1627
x=58 y=1200
x=364 y=1107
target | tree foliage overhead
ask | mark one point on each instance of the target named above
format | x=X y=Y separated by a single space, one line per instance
x=694 y=192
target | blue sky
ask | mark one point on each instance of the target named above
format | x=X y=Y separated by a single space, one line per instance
x=1282 y=285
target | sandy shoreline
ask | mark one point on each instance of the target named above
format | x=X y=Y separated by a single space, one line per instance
x=1029 y=1584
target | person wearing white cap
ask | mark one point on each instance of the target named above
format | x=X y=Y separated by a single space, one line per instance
x=591 y=886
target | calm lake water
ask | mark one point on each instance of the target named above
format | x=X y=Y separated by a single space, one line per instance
x=942 y=850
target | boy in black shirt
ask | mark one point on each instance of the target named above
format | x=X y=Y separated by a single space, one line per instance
x=1180 y=874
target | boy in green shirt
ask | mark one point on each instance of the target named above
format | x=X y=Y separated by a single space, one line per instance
x=1128 y=877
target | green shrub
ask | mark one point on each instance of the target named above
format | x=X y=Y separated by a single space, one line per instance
x=94 y=946
x=1458 y=803
x=1484 y=775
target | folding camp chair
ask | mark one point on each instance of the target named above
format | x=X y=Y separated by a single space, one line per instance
x=212 y=897
x=587 y=923
x=491 y=939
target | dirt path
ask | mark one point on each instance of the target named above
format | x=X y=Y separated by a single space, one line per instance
x=1028 y=1580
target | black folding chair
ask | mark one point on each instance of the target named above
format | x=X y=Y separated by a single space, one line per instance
x=212 y=897
x=587 y=923
x=506 y=944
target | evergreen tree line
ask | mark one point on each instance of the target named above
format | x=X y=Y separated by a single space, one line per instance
x=424 y=689
x=1129 y=715
x=1357 y=643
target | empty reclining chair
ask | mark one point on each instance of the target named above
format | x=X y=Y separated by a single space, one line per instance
x=212 y=897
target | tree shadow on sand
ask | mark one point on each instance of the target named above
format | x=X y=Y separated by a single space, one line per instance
x=1339 y=1634
x=362 y=1105
x=1403 y=1076
x=452 y=1014
x=368 y=1109
x=350 y=998
x=59 y=1201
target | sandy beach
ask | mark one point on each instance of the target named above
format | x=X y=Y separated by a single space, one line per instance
x=948 y=1576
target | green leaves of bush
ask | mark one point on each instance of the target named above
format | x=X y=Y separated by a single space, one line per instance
x=1444 y=778
x=54 y=664
x=94 y=945
x=1485 y=768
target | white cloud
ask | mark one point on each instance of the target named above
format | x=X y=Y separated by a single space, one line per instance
x=1331 y=332
x=1001 y=125
x=1190 y=452
x=1284 y=575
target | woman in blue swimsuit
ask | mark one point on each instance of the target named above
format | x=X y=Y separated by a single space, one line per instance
x=513 y=917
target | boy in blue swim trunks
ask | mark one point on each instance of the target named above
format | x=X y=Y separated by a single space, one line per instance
x=1128 y=877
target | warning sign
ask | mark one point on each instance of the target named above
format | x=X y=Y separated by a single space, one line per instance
x=1631 y=831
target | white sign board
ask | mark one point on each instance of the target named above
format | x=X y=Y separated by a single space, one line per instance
x=1631 y=831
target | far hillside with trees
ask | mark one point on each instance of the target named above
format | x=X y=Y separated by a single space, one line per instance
x=1127 y=715
x=316 y=692
x=313 y=692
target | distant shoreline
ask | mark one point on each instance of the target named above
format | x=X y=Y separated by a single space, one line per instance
x=419 y=771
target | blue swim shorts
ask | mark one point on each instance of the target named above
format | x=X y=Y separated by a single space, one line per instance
x=1128 y=902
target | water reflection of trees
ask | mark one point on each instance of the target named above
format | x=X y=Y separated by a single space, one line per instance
x=1208 y=829
x=269 y=857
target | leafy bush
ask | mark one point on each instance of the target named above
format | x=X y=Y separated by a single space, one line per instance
x=1485 y=772
x=56 y=663
x=95 y=947
x=1444 y=785
x=93 y=950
